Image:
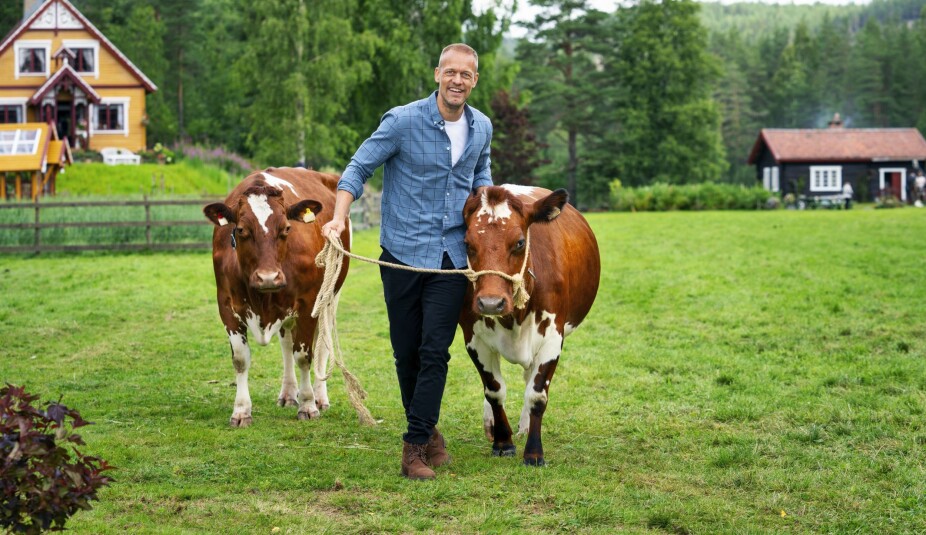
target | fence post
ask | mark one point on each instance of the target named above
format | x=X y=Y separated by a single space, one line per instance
x=38 y=230
x=147 y=223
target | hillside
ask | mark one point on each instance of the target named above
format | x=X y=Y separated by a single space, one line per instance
x=187 y=177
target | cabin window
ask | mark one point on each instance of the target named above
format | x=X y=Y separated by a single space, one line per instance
x=770 y=178
x=11 y=113
x=109 y=117
x=83 y=60
x=18 y=142
x=32 y=60
x=825 y=178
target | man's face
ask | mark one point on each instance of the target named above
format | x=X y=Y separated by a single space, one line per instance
x=456 y=77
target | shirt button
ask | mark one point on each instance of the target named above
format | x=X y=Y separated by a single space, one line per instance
x=448 y=148
x=448 y=194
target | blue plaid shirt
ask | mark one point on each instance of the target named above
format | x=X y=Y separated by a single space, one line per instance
x=423 y=194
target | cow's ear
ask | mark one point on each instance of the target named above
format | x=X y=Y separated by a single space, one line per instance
x=304 y=211
x=548 y=208
x=219 y=214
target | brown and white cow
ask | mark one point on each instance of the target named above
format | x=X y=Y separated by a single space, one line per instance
x=563 y=268
x=267 y=234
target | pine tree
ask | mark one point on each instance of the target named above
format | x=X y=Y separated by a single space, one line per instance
x=670 y=126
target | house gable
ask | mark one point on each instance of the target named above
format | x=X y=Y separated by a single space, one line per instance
x=56 y=15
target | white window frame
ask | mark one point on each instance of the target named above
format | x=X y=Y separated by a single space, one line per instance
x=16 y=142
x=767 y=178
x=85 y=43
x=826 y=178
x=882 y=172
x=35 y=43
x=125 y=123
x=776 y=185
x=21 y=102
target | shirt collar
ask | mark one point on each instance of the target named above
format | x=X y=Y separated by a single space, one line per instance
x=438 y=119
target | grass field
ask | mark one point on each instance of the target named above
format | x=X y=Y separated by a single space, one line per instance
x=740 y=373
x=186 y=177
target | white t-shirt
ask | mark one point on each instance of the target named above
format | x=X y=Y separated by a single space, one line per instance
x=458 y=132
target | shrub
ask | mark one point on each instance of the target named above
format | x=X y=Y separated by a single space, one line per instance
x=41 y=482
x=706 y=196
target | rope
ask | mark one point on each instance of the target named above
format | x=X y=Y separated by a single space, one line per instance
x=325 y=310
x=331 y=258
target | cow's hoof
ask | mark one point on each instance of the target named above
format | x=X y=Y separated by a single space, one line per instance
x=324 y=406
x=307 y=415
x=534 y=461
x=287 y=402
x=240 y=421
x=504 y=451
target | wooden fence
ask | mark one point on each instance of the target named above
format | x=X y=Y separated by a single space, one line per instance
x=364 y=215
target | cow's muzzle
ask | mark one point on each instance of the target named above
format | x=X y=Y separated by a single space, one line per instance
x=268 y=281
x=491 y=305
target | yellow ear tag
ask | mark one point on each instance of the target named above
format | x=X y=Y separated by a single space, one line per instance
x=309 y=216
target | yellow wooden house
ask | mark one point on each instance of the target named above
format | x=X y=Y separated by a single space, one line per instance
x=57 y=68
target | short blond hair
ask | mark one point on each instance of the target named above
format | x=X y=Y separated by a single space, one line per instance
x=458 y=47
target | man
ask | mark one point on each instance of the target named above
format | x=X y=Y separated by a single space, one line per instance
x=435 y=152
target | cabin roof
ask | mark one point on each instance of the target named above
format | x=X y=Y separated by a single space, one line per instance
x=839 y=145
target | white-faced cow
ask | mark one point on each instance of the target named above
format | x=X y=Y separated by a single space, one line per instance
x=561 y=277
x=267 y=234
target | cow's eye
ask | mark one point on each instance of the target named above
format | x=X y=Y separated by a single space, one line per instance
x=242 y=233
x=519 y=245
x=285 y=232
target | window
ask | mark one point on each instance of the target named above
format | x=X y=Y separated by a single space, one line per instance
x=14 y=142
x=775 y=180
x=31 y=57
x=32 y=60
x=110 y=117
x=11 y=113
x=767 y=178
x=83 y=62
x=825 y=178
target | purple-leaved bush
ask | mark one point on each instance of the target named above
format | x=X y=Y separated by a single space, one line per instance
x=44 y=479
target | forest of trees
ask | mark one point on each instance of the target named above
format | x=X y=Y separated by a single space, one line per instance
x=658 y=91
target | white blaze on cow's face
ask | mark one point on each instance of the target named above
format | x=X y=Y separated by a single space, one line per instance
x=261 y=209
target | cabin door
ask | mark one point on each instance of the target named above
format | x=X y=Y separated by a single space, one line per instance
x=891 y=182
x=64 y=122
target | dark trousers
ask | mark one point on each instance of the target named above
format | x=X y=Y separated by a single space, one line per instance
x=423 y=313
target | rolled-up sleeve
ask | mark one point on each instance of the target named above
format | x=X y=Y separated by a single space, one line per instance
x=378 y=148
x=482 y=174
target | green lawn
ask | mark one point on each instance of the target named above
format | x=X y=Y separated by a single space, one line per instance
x=740 y=372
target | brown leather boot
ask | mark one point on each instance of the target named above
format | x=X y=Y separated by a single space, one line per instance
x=415 y=461
x=437 y=450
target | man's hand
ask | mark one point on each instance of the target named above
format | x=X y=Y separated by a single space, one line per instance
x=333 y=229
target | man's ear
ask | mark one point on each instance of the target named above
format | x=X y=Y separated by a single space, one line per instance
x=437 y=75
x=547 y=209
x=219 y=214
x=304 y=211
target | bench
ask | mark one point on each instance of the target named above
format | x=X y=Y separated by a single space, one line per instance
x=117 y=156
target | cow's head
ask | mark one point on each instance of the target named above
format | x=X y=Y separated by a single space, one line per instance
x=496 y=239
x=261 y=226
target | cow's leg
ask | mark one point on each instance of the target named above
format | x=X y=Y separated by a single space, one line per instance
x=494 y=420
x=535 y=403
x=241 y=359
x=303 y=336
x=288 y=392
